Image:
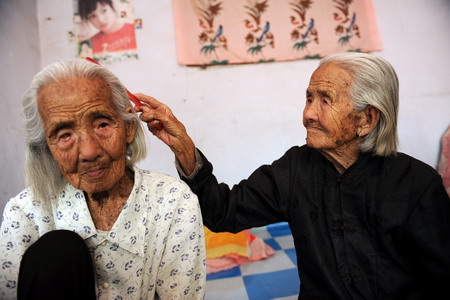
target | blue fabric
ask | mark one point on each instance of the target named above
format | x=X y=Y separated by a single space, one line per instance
x=272 y=278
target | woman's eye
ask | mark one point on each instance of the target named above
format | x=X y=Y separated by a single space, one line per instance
x=103 y=125
x=64 y=136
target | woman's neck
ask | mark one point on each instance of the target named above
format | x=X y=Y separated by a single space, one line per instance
x=105 y=206
x=342 y=158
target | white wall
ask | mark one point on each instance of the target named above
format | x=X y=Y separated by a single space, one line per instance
x=416 y=41
x=244 y=116
x=19 y=61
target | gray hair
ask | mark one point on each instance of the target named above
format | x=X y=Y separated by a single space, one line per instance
x=375 y=83
x=42 y=174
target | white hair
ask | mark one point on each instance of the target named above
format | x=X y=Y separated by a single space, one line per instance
x=42 y=174
x=375 y=83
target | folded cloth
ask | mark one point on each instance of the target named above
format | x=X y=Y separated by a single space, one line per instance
x=227 y=250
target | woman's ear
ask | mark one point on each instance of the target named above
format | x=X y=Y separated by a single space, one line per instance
x=130 y=127
x=371 y=119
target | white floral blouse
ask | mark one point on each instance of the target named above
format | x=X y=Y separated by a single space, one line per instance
x=155 y=249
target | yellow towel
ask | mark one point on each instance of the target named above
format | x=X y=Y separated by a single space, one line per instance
x=223 y=243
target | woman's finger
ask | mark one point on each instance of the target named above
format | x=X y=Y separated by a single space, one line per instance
x=152 y=102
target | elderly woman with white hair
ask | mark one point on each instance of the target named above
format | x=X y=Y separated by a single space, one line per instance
x=368 y=222
x=90 y=224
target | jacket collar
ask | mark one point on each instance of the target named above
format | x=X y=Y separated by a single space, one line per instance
x=128 y=232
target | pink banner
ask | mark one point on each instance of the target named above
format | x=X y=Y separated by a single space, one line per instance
x=251 y=31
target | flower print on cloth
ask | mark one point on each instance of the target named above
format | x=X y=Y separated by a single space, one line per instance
x=211 y=37
x=347 y=27
x=304 y=31
x=259 y=36
x=155 y=249
x=210 y=32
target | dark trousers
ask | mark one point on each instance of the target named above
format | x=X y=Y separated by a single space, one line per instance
x=57 y=266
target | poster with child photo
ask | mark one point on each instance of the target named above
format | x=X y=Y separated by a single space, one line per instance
x=105 y=30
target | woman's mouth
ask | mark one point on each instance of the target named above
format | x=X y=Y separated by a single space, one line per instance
x=311 y=128
x=95 y=173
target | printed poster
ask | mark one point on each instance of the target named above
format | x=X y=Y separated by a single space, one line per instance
x=212 y=32
x=105 y=30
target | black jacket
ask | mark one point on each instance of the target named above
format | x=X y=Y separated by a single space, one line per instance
x=380 y=230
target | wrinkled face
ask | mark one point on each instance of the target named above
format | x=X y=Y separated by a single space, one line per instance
x=85 y=133
x=328 y=116
x=103 y=18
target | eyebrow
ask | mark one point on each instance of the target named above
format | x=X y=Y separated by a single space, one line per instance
x=60 y=125
x=97 y=114
x=100 y=114
x=322 y=93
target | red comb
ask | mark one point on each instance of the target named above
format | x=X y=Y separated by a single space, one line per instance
x=130 y=95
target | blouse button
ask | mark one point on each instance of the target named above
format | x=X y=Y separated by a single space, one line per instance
x=105 y=285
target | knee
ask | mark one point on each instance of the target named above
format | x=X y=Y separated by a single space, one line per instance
x=57 y=245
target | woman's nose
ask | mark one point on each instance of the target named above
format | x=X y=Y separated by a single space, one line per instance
x=311 y=111
x=89 y=148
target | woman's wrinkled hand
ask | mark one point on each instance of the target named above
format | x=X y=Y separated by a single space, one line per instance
x=165 y=126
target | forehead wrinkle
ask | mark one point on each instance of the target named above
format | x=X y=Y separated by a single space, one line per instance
x=81 y=112
x=74 y=89
x=328 y=85
x=72 y=116
x=327 y=92
x=332 y=74
x=72 y=98
x=73 y=112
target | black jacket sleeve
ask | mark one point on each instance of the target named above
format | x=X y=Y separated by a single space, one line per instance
x=261 y=199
